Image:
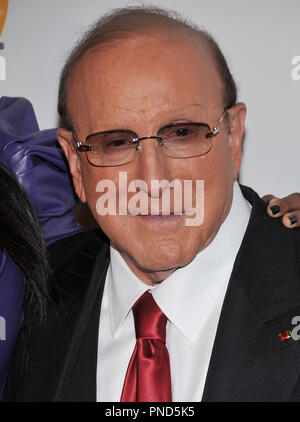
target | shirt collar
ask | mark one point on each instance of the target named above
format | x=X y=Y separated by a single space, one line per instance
x=195 y=287
x=124 y=289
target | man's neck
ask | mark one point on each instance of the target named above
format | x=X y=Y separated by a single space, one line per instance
x=152 y=278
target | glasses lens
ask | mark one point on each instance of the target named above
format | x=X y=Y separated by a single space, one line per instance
x=186 y=140
x=111 y=148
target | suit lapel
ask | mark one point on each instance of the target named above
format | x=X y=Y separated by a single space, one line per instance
x=249 y=362
x=78 y=378
x=66 y=342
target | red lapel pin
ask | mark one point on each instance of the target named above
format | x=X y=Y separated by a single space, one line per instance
x=285 y=335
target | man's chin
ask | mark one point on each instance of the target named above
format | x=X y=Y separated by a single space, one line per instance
x=155 y=256
x=158 y=267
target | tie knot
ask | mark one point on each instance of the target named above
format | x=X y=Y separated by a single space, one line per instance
x=150 y=321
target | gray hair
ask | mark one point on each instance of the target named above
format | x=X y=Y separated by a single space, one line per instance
x=124 y=22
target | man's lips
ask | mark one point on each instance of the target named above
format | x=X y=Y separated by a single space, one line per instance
x=160 y=218
x=161 y=214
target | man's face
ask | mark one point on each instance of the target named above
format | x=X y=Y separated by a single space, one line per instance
x=142 y=84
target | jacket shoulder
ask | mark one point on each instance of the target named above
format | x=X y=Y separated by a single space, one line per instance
x=72 y=260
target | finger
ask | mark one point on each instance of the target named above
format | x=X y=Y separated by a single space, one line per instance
x=267 y=198
x=274 y=207
x=291 y=220
x=291 y=203
x=278 y=207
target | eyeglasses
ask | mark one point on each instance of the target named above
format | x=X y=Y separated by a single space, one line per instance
x=119 y=147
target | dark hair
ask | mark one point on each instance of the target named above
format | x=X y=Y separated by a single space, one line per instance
x=124 y=22
x=21 y=237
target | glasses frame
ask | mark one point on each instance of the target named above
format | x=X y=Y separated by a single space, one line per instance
x=83 y=147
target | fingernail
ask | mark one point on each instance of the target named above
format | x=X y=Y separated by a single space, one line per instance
x=275 y=209
x=293 y=219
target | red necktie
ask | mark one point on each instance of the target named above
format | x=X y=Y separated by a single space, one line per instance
x=148 y=376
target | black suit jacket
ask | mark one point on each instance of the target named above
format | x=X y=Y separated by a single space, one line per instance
x=248 y=362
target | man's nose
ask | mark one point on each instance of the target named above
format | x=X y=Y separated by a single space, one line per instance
x=151 y=162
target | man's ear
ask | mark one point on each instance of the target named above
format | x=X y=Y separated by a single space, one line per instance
x=65 y=139
x=237 y=115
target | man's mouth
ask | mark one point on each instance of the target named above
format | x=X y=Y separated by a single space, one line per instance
x=160 y=218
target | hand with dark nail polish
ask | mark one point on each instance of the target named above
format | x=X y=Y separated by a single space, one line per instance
x=275 y=209
x=293 y=219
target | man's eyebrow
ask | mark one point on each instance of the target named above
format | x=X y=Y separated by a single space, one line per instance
x=177 y=109
x=189 y=105
x=186 y=109
x=197 y=104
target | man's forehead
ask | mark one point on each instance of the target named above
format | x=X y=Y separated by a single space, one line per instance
x=143 y=50
x=154 y=70
x=149 y=45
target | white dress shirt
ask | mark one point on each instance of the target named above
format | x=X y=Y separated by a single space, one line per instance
x=191 y=298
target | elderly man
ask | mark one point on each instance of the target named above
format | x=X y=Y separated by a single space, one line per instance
x=158 y=308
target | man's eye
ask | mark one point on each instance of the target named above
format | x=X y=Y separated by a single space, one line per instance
x=183 y=131
x=118 y=143
x=180 y=133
